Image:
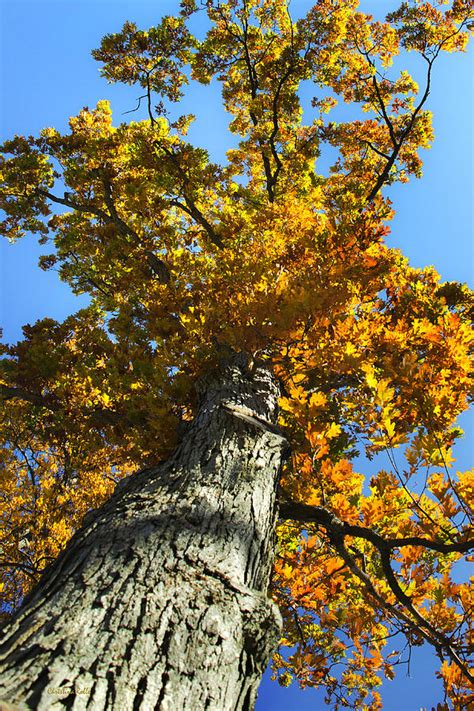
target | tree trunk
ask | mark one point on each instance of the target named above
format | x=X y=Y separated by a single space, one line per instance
x=160 y=600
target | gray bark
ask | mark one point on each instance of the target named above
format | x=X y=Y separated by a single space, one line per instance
x=160 y=600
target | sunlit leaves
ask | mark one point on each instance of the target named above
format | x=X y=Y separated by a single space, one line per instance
x=24 y=173
x=154 y=59
x=184 y=259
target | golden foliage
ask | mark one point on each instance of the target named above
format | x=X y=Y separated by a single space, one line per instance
x=182 y=257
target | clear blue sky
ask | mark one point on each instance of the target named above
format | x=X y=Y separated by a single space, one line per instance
x=47 y=75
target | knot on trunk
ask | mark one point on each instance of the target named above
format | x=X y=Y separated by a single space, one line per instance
x=224 y=383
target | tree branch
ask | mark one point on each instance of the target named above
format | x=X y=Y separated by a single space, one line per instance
x=8 y=392
x=337 y=530
x=318 y=514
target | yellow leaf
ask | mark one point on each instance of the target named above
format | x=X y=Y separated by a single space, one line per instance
x=333 y=431
x=318 y=400
x=371 y=380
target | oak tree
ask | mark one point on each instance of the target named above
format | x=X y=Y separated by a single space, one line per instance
x=249 y=332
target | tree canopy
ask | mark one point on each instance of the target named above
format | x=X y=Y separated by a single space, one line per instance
x=184 y=260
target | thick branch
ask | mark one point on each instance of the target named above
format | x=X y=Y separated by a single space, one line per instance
x=8 y=392
x=157 y=265
x=190 y=206
x=317 y=514
x=97 y=417
x=337 y=530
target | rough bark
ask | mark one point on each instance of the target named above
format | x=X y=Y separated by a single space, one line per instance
x=160 y=600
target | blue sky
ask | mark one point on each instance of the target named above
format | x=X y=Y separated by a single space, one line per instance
x=47 y=75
